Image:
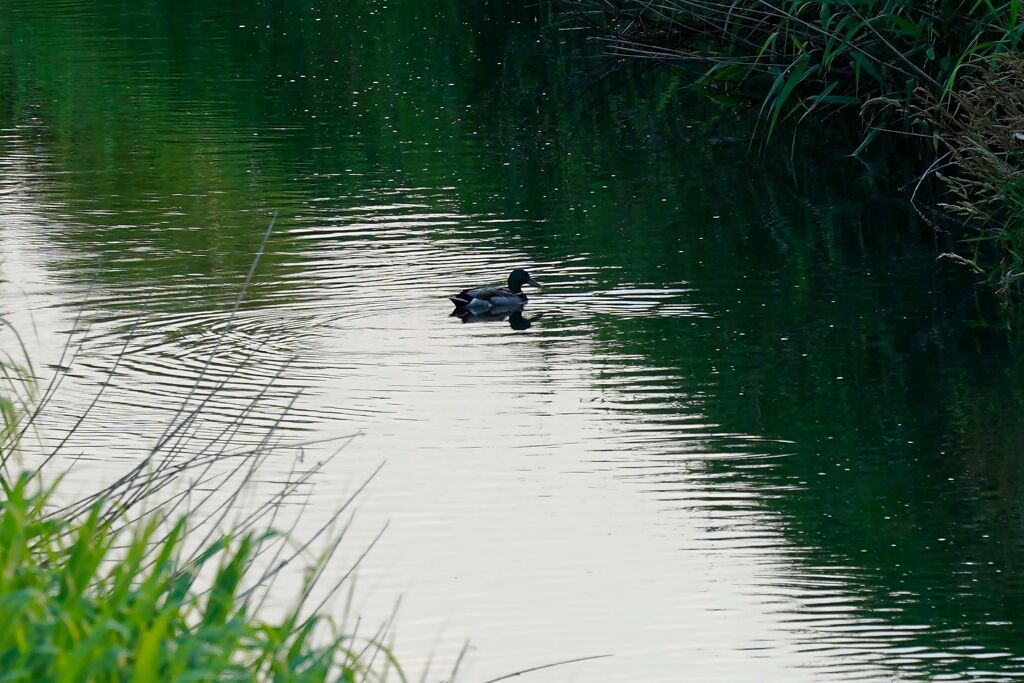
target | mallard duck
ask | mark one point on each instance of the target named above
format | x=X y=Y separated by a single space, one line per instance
x=486 y=298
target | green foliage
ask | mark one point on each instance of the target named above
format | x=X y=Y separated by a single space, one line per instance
x=97 y=591
x=90 y=599
x=822 y=52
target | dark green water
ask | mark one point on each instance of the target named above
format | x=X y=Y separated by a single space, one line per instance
x=754 y=430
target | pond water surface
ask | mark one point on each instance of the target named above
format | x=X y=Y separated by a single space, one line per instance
x=748 y=430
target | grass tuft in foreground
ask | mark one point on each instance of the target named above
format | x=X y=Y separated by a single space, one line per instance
x=88 y=598
x=138 y=580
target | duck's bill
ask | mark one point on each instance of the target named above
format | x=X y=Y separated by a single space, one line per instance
x=533 y=282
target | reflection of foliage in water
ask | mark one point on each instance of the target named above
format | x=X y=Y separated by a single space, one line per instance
x=233 y=111
x=834 y=328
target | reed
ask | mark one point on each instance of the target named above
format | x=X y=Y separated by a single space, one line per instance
x=804 y=56
x=84 y=599
x=983 y=134
x=145 y=578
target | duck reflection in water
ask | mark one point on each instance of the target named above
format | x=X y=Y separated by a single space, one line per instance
x=515 y=318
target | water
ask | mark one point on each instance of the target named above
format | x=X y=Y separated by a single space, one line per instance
x=752 y=429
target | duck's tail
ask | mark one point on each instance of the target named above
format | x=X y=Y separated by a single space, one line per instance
x=459 y=301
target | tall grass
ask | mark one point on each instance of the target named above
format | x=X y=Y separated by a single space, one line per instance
x=95 y=591
x=145 y=578
x=83 y=598
x=983 y=134
x=805 y=55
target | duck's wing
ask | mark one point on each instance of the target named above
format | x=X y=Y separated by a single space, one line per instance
x=502 y=297
x=480 y=294
x=488 y=293
x=463 y=297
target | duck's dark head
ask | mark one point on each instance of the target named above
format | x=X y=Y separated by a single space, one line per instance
x=519 y=277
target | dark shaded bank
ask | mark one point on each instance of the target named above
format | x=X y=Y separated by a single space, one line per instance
x=944 y=80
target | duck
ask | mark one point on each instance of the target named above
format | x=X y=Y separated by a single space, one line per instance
x=490 y=298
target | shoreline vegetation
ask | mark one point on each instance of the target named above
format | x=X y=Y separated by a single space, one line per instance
x=947 y=78
x=148 y=579
x=104 y=597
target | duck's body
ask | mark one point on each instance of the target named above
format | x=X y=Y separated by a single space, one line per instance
x=511 y=297
x=486 y=298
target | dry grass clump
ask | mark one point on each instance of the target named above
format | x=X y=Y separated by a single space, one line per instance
x=983 y=133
